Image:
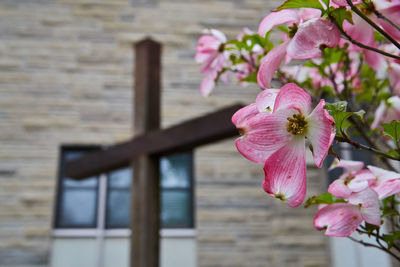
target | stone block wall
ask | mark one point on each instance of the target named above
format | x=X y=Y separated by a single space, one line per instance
x=66 y=77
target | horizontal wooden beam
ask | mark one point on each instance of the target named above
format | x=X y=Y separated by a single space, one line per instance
x=185 y=136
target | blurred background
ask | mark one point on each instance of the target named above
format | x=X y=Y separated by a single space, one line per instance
x=66 y=89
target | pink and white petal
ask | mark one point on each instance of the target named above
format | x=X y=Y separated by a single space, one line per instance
x=208 y=65
x=291 y=96
x=339 y=189
x=219 y=35
x=319 y=132
x=360 y=31
x=383 y=175
x=208 y=84
x=394 y=77
x=392 y=31
x=263 y=135
x=207 y=44
x=225 y=77
x=375 y=60
x=285 y=173
x=277 y=18
x=362 y=180
x=266 y=99
x=379 y=113
x=368 y=202
x=338 y=219
x=242 y=115
x=348 y=165
x=311 y=36
x=387 y=188
x=309 y=13
x=269 y=64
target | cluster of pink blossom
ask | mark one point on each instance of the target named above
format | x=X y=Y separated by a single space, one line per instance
x=362 y=189
x=274 y=132
x=277 y=128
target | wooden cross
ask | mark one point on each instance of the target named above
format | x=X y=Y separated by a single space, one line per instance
x=144 y=150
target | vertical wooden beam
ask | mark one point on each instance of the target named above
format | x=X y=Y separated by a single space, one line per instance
x=145 y=223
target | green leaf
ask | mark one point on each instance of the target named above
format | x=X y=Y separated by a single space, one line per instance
x=236 y=43
x=370 y=228
x=392 y=131
x=252 y=78
x=325 y=198
x=390 y=239
x=300 y=3
x=341 y=14
x=340 y=115
x=393 y=153
x=387 y=212
x=336 y=107
x=326 y=2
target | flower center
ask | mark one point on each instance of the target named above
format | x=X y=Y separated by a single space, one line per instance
x=348 y=179
x=292 y=30
x=297 y=124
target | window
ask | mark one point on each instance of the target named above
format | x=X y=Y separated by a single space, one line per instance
x=104 y=202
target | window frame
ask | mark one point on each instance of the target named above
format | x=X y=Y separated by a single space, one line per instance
x=100 y=232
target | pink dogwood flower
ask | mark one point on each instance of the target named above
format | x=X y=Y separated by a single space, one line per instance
x=386 y=183
x=278 y=140
x=354 y=179
x=308 y=37
x=212 y=57
x=342 y=219
x=387 y=111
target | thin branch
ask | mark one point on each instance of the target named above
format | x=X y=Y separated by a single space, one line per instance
x=360 y=44
x=381 y=16
x=375 y=246
x=370 y=22
x=361 y=146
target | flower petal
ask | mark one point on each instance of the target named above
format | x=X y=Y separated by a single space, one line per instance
x=379 y=113
x=387 y=188
x=383 y=175
x=360 y=30
x=242 y=115
x=320 y=132
x=285 y=173
x=349 y=183
x=276 y=18
x=339 y=188
x=292 y=96
x=369 y=202
x=362 y=180
x=339 y=219
x=207 y=44
x=263 y=135
x=309 y=38
x=387 y=182
x=348 y=165
x=266 y=99
x=208 y=84
x=270 y=63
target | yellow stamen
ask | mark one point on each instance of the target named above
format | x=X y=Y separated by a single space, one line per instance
x=297 y=124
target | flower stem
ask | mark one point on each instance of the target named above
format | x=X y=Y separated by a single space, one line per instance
x=370 y=22
x=360 y=44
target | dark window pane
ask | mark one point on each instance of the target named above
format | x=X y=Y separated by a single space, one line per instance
x=120 y=178
x=78 y=208
x=118 y=208
x=86 y=183
x=176 y=171
x=176 y=209
x=119 y=198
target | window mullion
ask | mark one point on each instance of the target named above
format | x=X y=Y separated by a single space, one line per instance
x=101 y=214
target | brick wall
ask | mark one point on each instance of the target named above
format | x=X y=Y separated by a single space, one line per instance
x=65 y=78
